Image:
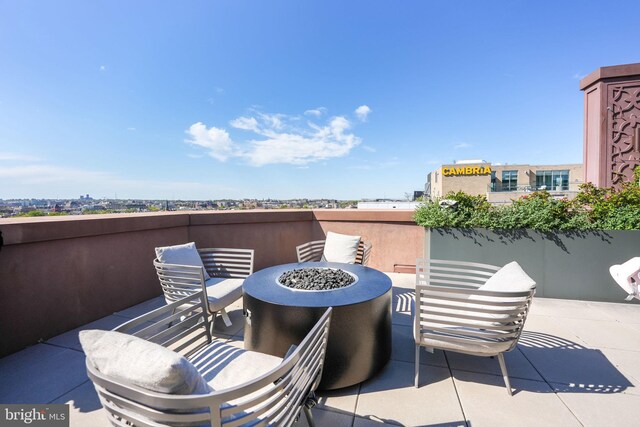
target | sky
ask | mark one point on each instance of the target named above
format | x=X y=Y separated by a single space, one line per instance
x=287 y=98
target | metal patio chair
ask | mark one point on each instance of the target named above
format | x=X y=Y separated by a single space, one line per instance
x=312 y=251
x=274 y=398
x=453 y=314
x=227 y=269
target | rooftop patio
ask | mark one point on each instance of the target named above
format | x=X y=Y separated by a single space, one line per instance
x=576 y=364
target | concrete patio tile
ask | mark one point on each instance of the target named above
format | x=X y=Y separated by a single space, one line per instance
x=565 y=308
x=627 y=362
x=604 y=333
x=551 y=328
x=623 y=312
x=237 y=320
x=597 y=409
x=403 y=348
x=40 y=374
x=326 y=418
x=84 y=406
x=142 y=308
x=485 y=402
x=371 y=422
x=402 y=306
x=391 y=397
x=70 y=338
x=517 y=365
x=342 y=400
x=572 y=364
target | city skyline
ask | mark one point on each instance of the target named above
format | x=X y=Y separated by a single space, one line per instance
x=282 y=100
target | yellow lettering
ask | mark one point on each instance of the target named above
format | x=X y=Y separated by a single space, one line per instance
x=476 y=170
x=487 y=170
x=460 y=170
x=445 y=171
x=467 y=170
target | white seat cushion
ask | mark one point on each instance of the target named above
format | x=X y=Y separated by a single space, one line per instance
x=186 y=254
x=224 y=366
x=510 y=278
x=340 y=248
x=132 y=360
x=222 y=292
x=473 y=346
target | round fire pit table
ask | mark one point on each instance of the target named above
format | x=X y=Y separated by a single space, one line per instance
x=359 y=345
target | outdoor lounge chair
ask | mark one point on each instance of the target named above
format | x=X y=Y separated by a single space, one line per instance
x=627 y=276
x=191 y=380
x=220 y=272
x=470 y=308
x=315 y=250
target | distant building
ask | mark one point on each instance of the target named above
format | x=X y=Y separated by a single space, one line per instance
x=388 y=205
x=501 y=183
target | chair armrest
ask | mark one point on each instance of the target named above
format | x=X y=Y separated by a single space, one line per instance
x=173 y=323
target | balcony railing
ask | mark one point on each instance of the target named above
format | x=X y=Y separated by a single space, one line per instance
x=503 y=188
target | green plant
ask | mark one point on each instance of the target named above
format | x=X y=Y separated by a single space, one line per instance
x=593 y=208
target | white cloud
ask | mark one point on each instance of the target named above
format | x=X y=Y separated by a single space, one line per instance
x=132 y=129
x=216 y=140
x=315 y=112
x=462 y=145
x=103 y=67
x=578 y=76
x=245 y=123
x=369 y=148
x=280 y=139
x=17 y=157
x=362 y=112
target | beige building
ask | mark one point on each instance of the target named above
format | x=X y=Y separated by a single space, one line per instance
x=502 y=183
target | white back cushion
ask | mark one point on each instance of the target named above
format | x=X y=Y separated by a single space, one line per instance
x=142 y=363
x=186 y=254
x=340 y=248
x=510 y=278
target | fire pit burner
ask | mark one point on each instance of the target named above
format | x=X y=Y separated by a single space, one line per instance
x=316 y=279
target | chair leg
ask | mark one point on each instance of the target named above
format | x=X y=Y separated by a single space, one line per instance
x=417 y=365
x=505 y=374
x=225 y=317
x=309 y=416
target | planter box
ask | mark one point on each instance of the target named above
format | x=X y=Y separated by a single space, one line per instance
x=570 y=264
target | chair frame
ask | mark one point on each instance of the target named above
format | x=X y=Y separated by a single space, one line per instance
x=180 y=280
x=452 y=310
x=312 y=251
x=274 y=399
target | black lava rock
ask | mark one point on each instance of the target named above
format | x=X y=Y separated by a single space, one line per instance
x=316 y=279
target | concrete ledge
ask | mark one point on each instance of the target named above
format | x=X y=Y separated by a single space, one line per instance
x=351 y=215
x=248 y=217
x=17 y=231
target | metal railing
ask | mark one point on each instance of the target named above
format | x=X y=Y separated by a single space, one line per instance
x=503 y=188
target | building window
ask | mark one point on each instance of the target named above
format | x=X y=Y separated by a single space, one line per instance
x=552 y=180
x=509 y=180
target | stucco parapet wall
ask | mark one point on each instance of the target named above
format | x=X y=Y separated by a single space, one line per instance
x=40 y=229
x=615 y=71
x=250 y=216
x=351 y=215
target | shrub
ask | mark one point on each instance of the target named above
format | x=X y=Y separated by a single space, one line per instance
x=593 y=209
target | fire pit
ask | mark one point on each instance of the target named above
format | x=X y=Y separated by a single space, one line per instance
x=278 y=316
x=316 y=279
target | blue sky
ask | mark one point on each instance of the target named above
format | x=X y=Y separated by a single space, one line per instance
x=287 y=99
